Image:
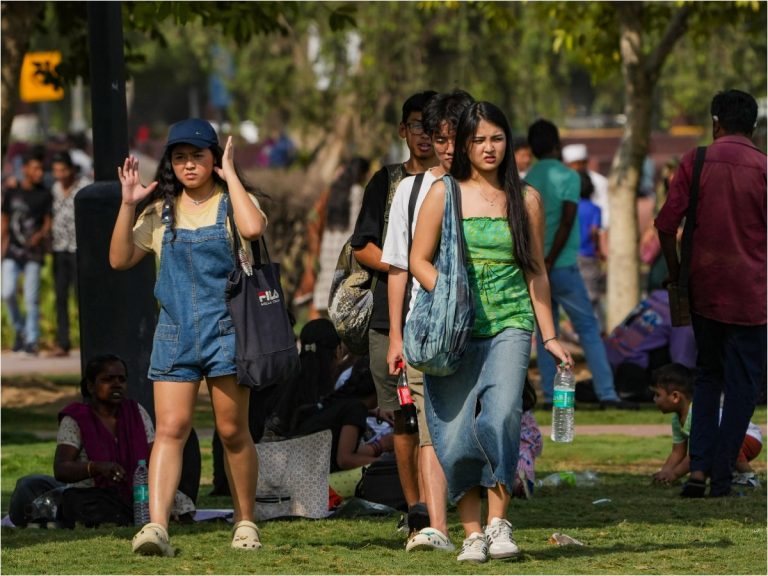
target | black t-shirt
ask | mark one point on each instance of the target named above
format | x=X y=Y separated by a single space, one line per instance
x=370 y=228
x=26 y=211
x=335 y=414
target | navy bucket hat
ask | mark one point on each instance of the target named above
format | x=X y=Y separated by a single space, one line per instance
x=192 y=131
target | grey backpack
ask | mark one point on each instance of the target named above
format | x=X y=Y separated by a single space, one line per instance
x=350 y=302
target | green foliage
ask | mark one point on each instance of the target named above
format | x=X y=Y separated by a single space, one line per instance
x=734 y=57
x=65 y=25
x=724 y=46
x=526 y=56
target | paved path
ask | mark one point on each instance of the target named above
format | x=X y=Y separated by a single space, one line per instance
x=17 y=365
x=14 y=364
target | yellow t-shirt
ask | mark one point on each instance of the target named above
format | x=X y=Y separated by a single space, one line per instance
x=149 y=228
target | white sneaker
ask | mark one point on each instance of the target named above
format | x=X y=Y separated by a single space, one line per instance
x=500 y=541
x=474 y=549
x=429 y=539
x=746 y=479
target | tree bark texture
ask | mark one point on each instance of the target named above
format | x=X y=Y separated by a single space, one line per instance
x=18 y=21
x=641 y=71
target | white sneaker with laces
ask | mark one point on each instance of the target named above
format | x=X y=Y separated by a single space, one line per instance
x=474 y=549
x=429 y=539
x=500 y=541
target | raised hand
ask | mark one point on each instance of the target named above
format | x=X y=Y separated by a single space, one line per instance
x=132 y=189
x=227 y=170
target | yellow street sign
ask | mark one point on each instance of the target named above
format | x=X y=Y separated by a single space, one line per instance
x=39 y=80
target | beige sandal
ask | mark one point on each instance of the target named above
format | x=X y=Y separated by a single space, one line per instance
x=245 y=536
x=152 y=540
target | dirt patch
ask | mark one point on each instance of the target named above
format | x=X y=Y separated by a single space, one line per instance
x=32 y=391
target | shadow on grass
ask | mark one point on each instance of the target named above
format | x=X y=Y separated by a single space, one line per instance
x=632 y=498
x=24 y=537
x=9 y=438
x=566 y=552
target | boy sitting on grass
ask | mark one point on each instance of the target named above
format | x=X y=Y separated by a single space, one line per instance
x=673 y=392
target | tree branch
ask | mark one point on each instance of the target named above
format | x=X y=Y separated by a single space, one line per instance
x=675 y=30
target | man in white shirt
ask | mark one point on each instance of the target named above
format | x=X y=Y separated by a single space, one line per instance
x=576 y=157
x=440 y=118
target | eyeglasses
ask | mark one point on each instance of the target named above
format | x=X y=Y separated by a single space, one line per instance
x=415 y=128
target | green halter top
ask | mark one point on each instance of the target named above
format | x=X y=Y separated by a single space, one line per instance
x=498 y=284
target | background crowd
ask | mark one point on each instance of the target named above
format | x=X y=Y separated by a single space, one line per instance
x=341 y=392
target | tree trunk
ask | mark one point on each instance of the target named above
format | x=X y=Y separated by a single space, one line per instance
x=18 y=21
x=318 y=175
x=641 y=70
x=623 y=264
x=320 y=172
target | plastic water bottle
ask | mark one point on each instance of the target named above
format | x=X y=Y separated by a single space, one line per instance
x=407 y=406
x=569 y=478
x=141 y=494
x=562 y=405
x=566 y=478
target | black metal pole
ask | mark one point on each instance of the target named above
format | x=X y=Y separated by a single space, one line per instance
x=117 y=309
x=108 y=100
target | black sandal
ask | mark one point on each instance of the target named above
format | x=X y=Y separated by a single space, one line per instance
x=694 y=489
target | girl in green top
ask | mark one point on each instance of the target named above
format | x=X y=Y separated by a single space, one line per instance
x=474 y=414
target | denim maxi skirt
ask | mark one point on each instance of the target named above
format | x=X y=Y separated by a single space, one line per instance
x=474 y=414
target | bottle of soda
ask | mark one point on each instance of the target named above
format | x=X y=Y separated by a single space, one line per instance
x=141 y=494
x=407 y=406
x=562 y=405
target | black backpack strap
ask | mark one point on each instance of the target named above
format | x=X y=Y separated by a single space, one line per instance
x=412 y=207
x=415 y=189
x=395 y=173
x=686 y=247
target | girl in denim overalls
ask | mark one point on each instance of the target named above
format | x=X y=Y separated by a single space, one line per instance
x=474 y=414
x=182 y=220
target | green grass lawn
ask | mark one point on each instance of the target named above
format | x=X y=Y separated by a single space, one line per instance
x=643 y=529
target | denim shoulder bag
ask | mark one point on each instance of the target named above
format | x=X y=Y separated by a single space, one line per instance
x=440 y=325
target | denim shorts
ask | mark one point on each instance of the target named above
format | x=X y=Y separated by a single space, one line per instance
x=474 y=414
x=183 y=356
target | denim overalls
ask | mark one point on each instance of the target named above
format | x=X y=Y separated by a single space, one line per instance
x=194 y=337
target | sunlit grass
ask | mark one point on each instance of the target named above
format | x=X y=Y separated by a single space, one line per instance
x=641 y=529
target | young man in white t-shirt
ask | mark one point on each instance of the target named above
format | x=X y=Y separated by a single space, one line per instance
x=440 y=118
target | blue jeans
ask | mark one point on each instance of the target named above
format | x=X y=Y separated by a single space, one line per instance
x=29 y=327
x=27 y=489
x=474 y=414
x=568 y=291
x=731 y=360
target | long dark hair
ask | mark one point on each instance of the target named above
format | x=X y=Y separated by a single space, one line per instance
x=461 y=169
x=319 y=342
x=338 y=199
x=358 y=386
x=169 y=188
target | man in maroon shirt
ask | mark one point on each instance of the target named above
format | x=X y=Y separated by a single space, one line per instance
x=727 y=286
